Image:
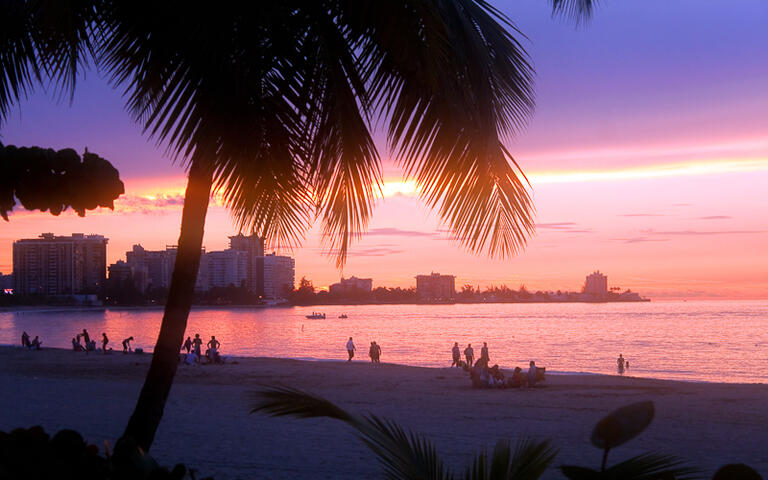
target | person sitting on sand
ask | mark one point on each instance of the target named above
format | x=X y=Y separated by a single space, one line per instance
x=104 y=342
x=469 y=353
x=127 y=345
x=456 y=354
x=517 y=379
x=36 y=343
x=496 y=373
x=350 y=349
x=532 y=374
x=197 y=343
x=187 y=345
x=76 y=344
x=213 y=348
x=24 y=339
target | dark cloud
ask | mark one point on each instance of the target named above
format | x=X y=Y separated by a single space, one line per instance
x=390 y=231
x=564 y=227
x=695 y=233
x=640 y=239
x=374 y=252
x=556 y=225
x=147 y=205
x=716 y=217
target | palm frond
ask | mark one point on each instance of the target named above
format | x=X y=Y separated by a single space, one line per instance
x=454 y=84
x=42 y=40
x=403 y=455
x=577 y=10
x=528 y=461
x=652 y=466
x=18 y=65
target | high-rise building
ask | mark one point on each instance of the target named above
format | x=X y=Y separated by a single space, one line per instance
x=596 y=284
x=436 y=287
x=350 y=285
x=279 y=276
x=51 y=265
x=253 y=246
x=151 y=268
x=223 y=269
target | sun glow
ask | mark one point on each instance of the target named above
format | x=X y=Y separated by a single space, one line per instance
x=712 y=167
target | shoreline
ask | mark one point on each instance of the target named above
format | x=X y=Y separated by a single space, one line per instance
x=240 y=359
x=207 y=424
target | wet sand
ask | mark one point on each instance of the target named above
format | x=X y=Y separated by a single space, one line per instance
x=207 y=425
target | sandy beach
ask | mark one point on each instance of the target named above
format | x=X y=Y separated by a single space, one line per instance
x=207 y=425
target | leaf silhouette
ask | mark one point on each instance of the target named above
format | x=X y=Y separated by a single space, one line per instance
x=622 y=425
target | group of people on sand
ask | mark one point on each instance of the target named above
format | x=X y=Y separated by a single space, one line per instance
x=469 y=355
x=374 y=351
x=193 y=347
x=35 y=344
x=82 y=342
x=485 y=376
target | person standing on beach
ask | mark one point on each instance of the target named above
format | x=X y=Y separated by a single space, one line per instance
x=86 y=338
x=620 y=364
x=484 y=354
x=104 y=342
x=197 y=343
x=127 y=345
x=213 y=348
x=456 y=354
x=378 y=352
x=372 y=352
x=25 y=339
x=187 y=345
x=350 y=349
x=532 y=374
x=469 y=353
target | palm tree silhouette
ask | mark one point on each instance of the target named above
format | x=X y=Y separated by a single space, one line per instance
x=271 y=106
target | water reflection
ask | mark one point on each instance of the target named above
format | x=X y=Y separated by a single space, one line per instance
x=685 y=340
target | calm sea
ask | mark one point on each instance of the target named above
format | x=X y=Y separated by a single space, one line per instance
x=721 y=341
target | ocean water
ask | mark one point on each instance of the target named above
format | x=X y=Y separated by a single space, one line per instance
x=718 y=341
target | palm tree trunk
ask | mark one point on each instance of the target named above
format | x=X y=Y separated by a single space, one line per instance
x=149 y=409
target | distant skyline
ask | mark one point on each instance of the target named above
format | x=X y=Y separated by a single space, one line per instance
x=647 y=156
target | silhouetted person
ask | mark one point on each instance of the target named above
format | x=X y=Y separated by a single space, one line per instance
x=620 y=364
x=86 y=338
x=377 y=349
x=187 y=345
x=532 y=374
x=127 y=345
x=350 y=349
x=469 y=353
x=372 y=352
x=35 y=343
x=24 y=339
x=484 y=354
x=456 y=354
x=197 y=343
x=104 y=342
x=76 y=346
x=213 y=349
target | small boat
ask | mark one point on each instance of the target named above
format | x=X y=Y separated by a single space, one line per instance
x=316 y=316
x=343 y=315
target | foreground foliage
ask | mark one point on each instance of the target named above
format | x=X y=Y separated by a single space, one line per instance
x=405 y=455
x=32 y=454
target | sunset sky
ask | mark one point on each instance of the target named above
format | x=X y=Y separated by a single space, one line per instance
x=647 y=155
